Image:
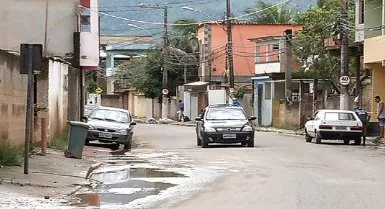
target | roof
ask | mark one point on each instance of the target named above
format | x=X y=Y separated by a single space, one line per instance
x=245 y=23
x=130 y=47
x=198 y=83
x=108 y=40
x=266 y=38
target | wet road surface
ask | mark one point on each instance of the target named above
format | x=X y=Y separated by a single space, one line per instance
x=168 y=170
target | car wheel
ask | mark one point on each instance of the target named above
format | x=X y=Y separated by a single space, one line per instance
x=243 y=143
x=357 y=141
x=127 y=144
x=307 y=137
x=250 y=143
x=317 y=138
x=346 y=141
x=204 y=142
x=87 y=142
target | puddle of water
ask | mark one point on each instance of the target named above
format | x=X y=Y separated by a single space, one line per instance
x=121 y=193
x=124 y=184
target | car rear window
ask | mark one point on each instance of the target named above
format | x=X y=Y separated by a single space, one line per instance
x=225 y=114
x=336 y=116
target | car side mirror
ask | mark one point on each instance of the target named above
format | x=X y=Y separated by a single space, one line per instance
x=84 y=119
x=309 y=118
x=133 y=123
x=198 y=119
x=252 y=118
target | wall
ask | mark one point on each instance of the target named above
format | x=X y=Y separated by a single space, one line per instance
x=112 y=101
x=262 y=68
x=26 y=24
x=140 y=106
x=378 y=83
x=57 y=97
x=13 y=88
x=52 y=98
x=243 y=65
x=374 y=50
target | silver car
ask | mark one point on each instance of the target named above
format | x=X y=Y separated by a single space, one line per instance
x=110 y=125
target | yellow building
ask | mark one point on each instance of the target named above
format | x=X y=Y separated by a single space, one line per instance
x=370 y=26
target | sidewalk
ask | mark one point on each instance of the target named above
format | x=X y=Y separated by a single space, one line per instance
x=50 y=176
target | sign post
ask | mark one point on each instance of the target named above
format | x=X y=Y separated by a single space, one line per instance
x=30 y=60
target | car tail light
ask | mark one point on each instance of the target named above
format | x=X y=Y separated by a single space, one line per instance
x=325 y=127
x=356 y=128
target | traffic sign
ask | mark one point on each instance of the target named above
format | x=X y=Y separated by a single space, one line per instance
x=98 y=90
x=165 y=91
x=345 y=80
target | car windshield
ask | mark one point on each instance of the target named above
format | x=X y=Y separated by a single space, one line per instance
x=110 y=115
x=336 y=116
x=225 y=114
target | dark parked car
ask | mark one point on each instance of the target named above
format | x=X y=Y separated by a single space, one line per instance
x=110 y=125
x=224 y=124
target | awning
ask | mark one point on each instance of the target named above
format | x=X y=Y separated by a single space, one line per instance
x=197 y=84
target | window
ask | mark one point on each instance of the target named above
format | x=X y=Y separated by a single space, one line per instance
x=225 y=114
x=267 y=90
x=110 y=115
x=335 y=116
x=361 y=10
x=258 y=54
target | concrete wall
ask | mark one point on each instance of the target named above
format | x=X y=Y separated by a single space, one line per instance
x=23 y=21
x=112 y=101
x=58 y=97
x=13 y=88
x=52 y=98
x=374 y=50
x=378 y=83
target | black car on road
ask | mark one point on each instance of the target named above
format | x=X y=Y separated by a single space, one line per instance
x=224 y=124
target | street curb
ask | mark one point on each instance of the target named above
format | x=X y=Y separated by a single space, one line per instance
x=280 y=131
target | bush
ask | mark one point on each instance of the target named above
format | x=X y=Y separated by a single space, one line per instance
x=60 y=143
x=10 y=155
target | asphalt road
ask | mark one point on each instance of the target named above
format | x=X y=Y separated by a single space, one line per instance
x=280 y=172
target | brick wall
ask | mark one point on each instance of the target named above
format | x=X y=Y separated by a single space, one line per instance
x=13 y=93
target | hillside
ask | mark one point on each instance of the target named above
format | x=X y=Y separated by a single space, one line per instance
x=127 y=10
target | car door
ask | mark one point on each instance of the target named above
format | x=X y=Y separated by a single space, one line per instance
x=311 y=124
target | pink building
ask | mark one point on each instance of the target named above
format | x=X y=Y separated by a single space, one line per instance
x=213 y=40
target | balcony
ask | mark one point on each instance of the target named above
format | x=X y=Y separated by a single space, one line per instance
x=374 y=50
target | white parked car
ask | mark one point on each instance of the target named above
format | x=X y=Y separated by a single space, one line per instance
x=334 y=125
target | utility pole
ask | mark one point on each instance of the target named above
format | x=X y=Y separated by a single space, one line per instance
x=164 y=51
x=288 y=60
x=164 y=68
x=229 y=49
x=344 y=96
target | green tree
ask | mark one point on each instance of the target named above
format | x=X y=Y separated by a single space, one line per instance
x=320 y=23
x=263 y=12
x=145 y=73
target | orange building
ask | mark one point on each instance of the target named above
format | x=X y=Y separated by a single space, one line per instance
x=213 y=40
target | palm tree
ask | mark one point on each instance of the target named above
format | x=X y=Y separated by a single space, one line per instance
x=270 y=13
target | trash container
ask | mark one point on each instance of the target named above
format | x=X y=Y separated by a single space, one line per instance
x=77 y=138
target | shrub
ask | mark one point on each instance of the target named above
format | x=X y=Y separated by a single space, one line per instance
x=10 y=155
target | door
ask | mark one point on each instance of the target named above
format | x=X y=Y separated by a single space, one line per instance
x=260 y=97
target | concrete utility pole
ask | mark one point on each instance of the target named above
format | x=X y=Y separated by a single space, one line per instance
x=164 y=51
x=164 y=68
x=229 y=52
x=288 y=60
x=344 y=96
